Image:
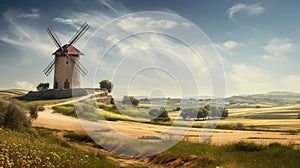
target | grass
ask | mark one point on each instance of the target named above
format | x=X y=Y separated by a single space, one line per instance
x=67 y=109
x=152 y=137
x=88 y=112
x=37 y=148
x=241 y=154
x=78 y=137
x=45 y=102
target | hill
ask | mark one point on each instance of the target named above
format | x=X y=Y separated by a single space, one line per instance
x=264 y=99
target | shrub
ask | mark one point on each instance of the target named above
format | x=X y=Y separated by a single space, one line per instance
x=42 y=86
x=41 y=108
x=247 y=147
x=13 y=115
x=33 y=111
x=130 y=100
x=159 y=115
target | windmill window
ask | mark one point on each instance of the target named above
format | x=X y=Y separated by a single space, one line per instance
x=67 y=62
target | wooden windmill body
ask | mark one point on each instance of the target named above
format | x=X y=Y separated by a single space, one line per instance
x=66 y=64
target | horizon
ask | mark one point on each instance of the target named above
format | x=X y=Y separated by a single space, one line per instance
x=256 y=42
x=192 y=97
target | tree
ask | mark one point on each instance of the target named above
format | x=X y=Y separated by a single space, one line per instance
x=189 y=113
x=159 y=115
x=202 y=113
x=225 y=113
x=130 y=100
x=42 y=86
x=106 y=84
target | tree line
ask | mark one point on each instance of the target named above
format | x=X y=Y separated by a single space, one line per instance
x=206 y=112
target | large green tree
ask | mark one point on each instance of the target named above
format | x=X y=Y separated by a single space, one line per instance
x=106 y=84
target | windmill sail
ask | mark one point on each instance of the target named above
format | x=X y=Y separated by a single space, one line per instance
x=49 y=68
x=63 y=50
x=54 y=37
x=79 y=33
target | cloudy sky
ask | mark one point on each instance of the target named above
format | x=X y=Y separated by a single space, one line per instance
x=179 y=50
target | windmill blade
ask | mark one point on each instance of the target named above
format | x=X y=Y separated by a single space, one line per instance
x=79 y=33
x=49 y=68
x=82 y=70
x=54 y=37
x=49 y=65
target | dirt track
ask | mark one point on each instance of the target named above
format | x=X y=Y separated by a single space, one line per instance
x=52 y=120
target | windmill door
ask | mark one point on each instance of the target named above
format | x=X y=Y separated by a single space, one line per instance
x=67 y=84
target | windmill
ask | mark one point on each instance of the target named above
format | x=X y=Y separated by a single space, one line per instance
x=66 y=65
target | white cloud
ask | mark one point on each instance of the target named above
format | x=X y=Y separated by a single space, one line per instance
x=269 y=58
x=228 y=46
x=135 y=24
x=231 y=44
x=250 y=10
x=277 y=48
x=247 y=79
x=71 y=22
x=25 y=85
x=33 y=14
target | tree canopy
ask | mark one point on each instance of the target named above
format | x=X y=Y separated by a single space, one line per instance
x=204 y=112
x=106 y=84
x=42 y=86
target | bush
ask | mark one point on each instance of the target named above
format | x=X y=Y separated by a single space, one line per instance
x=42 y=86
x=33 y=111
x=130 y=100
x=159 y=115
x=13 y=115
x=247 y=147
x=41 y=108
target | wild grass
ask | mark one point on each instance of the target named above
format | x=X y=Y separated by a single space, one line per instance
x=35 y=150
x=241 y=154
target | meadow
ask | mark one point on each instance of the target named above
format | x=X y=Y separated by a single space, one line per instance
x=254 y=135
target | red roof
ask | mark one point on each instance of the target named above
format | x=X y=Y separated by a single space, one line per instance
x=71 y=50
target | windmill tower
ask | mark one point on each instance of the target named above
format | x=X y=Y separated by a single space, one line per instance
x=66 y=65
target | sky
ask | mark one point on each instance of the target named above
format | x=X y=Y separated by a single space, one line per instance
x=168 y=48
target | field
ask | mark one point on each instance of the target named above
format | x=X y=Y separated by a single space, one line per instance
x=263 y=135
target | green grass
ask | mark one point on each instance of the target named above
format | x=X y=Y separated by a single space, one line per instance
x=37 y=148
x=88 y=112
x=45 y=102
x=67 y=109
x=241 y=154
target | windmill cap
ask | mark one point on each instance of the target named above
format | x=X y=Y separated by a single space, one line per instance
x=71 y=50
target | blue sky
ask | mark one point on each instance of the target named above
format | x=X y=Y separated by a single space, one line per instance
x=257 y=41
